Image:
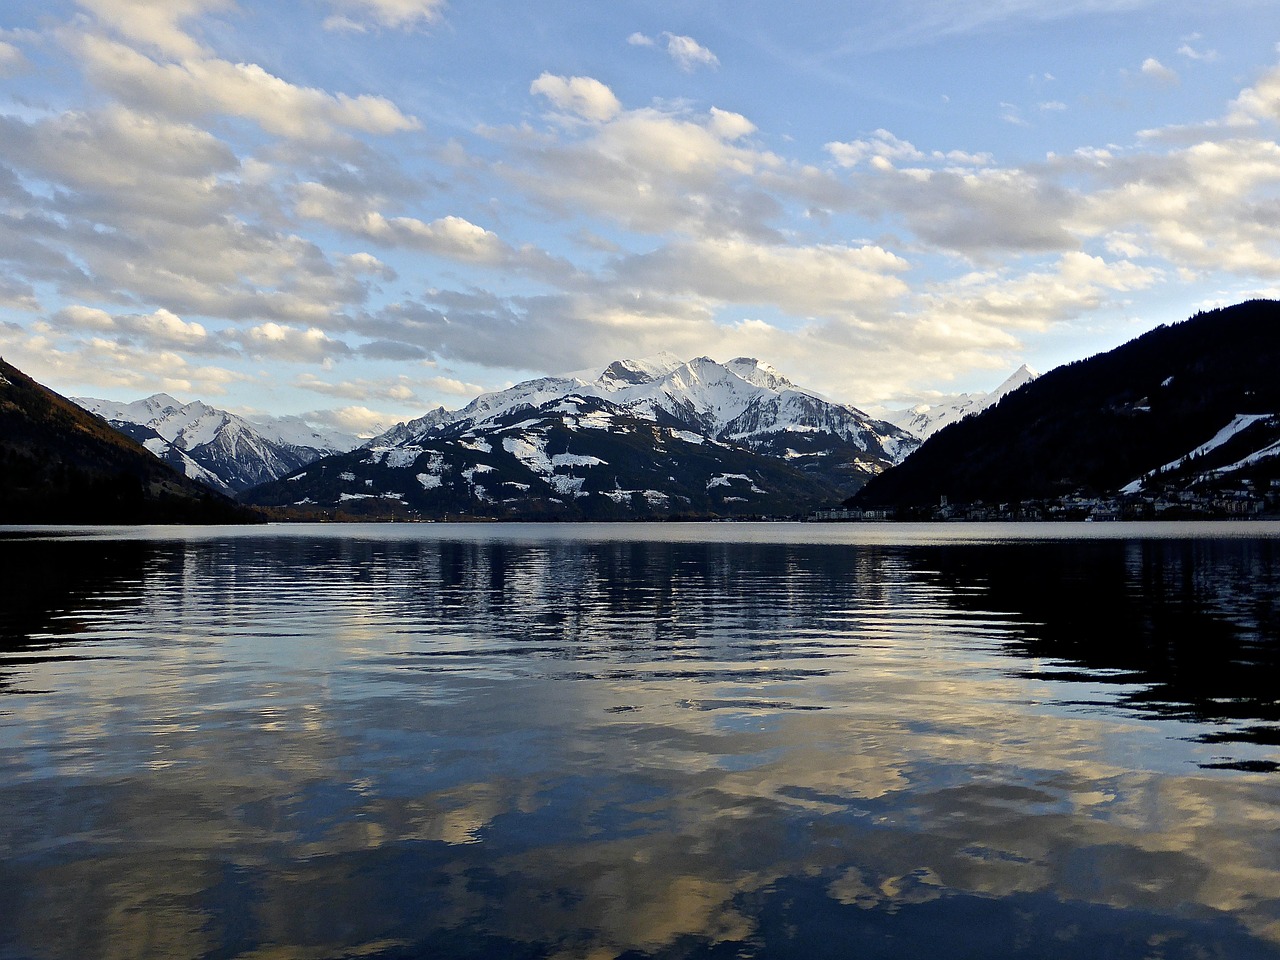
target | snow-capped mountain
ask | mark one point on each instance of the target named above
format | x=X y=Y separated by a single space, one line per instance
x=651 y=437
x=220 y=449
x=744 y=402
x=571 y=457
x=926 y=419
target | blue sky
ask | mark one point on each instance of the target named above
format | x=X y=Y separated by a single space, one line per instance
x=360 y=209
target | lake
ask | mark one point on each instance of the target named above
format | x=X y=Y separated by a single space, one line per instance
x=641 y=741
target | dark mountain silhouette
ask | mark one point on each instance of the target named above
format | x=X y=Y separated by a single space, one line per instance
x=1138 y=416
x=61 y=464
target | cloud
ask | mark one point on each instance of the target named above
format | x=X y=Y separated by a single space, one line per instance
x=824 y=280
x=397 y=14
x=155 y=25
x=100 y=363
x=291 y=344
x=688 y=53
x=12 y=60
x=583 y=96
x=450 y=237
x=358 y=420
x=139 y=209
x=882 y=146
x=161 y=329
x=974 y=212
x=1202 y=207
x=650 y=170
x=1259 y=102
x=199 y=86
x=400 y=389
x=1011 y=114
x=1191 y=53
x=1155 y=70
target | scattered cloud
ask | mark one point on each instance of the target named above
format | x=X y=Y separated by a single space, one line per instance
x=1191 y=53
x=583 y=96
x=198 y=86
x=1011 y=114
x=397 y=14
x=688 y=53
x=1155 y=70
x=882 y=149
x=290 y=344
x=12 y=60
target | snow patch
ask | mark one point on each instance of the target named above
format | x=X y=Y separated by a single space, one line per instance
x=347 y=476
x=475 y=445
x=566 y=486
x=688 y=436
x=576 y=460
x=531 y=451
x=1241 y=421
x=430 y=481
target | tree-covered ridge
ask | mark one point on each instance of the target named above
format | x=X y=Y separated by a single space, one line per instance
x=1094 y=426
x=60 y=464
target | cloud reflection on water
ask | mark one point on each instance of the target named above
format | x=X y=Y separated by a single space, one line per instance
x=330 y=746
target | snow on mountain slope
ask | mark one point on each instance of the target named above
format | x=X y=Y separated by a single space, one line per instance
x=926 y=419
x=218 y=448
x=743 y=401
x=1239 y=424
x=571 y=457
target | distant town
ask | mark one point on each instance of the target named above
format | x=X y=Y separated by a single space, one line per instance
x=1251 y=499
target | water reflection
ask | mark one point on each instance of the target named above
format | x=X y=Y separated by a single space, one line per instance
x=483 y=747
x=1191 y=629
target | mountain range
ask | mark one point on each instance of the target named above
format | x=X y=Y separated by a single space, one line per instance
x=926 y=419
x=1188 y=412
x=60 y=464
x=651 y=437
x=219 y=449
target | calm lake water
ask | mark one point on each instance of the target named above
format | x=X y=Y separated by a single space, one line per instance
x=591 y=741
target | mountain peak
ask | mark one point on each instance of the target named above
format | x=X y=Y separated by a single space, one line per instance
x=759 y=373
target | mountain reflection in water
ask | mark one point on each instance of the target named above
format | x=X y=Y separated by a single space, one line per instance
x=638 y=742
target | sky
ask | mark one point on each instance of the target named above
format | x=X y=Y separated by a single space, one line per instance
x=358 y=210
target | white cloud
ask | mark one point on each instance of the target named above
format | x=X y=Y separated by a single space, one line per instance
x=76 y=365
x=291 y=344
x=12 y=60
x=651 y=170
x=358 y=420
x=1191 y=53
x=640 y=40
x=584 y=96
x=1155 y=70
x=161 y=329
x=398 y=14
x=201 y=86
x=688 y=53
x=881 y=145
x=1259 y=102
x=156 y=25
x=825 y=280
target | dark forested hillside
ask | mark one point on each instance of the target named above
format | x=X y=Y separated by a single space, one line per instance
x=1096 y=425
x=61 y=464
